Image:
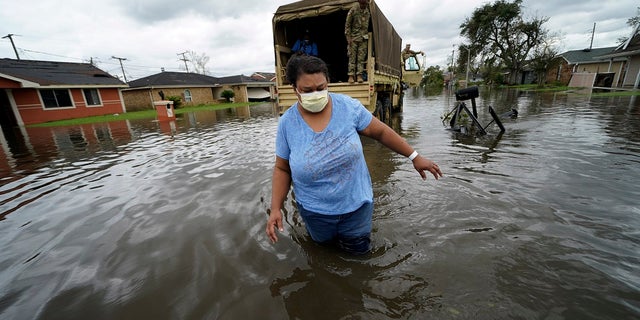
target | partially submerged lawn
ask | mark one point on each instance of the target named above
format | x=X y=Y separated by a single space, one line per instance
x=594 y=92
x=135 y=115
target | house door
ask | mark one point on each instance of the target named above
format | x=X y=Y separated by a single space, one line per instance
x=7 y=118
x=11 y=132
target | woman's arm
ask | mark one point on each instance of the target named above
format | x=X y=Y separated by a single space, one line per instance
x=392 y=140
x=280 y=184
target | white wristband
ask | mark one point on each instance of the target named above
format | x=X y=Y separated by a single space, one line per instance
x=413 y=155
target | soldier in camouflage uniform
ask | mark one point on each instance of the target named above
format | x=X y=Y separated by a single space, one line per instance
x=356 y=30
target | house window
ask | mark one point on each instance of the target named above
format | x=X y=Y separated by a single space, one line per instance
x=56 y=98
x=92 y=97
x=187 y=95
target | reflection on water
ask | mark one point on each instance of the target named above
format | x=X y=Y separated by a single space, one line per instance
x=165 y=220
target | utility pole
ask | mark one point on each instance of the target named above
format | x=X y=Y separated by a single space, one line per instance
x=10 y=35
x=592 y=34
x=184 y=59
x=468 y=58
x=121 y=66
x=468 y=54
x=453 y=54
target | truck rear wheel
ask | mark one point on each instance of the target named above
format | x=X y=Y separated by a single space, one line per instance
x=387 y=104
x=380 y=112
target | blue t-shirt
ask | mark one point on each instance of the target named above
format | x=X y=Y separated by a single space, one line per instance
x=328 y=170
x=308 y=48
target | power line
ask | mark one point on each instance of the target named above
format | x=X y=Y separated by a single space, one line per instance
x=142 y=69
x=49 y=54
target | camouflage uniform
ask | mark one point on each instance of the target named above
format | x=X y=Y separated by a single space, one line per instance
x=408 y=53
x=410 y=65
x=357 y=28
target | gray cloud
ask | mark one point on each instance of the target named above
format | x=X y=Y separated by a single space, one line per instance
x=146 y=11
x=237 y=37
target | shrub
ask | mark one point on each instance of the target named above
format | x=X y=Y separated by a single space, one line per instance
x=228 y=94
x=177 y=101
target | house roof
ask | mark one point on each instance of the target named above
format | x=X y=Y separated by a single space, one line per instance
x=264 y=76
x=240 y=79
x=173 y=79
x=586 y=55
x=184 y=79
x=631 y=47
x=34 y=73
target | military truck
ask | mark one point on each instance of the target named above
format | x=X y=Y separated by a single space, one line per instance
x=381 y=91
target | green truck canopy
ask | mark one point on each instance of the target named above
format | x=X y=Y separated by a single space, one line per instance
x=387 y=44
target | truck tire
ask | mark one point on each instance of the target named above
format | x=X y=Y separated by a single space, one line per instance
x=379 y=112
x=400 y=107
x=388 y=106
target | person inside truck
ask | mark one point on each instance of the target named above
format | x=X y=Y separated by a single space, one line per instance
x=305 y=45
x=409 y=59
x=356 y=30
x=318 y=150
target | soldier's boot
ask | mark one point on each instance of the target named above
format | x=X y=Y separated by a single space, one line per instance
x=351 y=79
x=360 y=80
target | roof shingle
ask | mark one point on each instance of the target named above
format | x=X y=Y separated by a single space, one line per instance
x=54 y=73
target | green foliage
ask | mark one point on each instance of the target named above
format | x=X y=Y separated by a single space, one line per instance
x=631 y=22
x=177 y=101
x=228 y=94
x=433 y=77
x=463 y=118
x=498 y=32
x=497 y=78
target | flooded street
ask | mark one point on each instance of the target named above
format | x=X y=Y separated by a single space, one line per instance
x=165 y=220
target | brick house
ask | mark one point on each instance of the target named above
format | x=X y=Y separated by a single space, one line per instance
x=192 y=89
x=606 y=73
x=34 y=91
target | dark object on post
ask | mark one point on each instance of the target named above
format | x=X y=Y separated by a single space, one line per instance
x=467 y=93
x=471 y=93
x=161 y=95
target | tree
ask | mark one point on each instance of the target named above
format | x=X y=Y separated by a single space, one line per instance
x=543 y=59
x=631 y=22
x=499 y=33
x=433 y=76
x=198 y=62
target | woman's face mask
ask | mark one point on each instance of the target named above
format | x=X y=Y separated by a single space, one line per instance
x=314 y=101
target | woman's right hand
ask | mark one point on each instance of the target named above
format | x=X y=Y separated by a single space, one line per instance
x=274 y=222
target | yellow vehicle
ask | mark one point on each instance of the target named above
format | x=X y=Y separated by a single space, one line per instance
x=413 y=71
x=381 y=92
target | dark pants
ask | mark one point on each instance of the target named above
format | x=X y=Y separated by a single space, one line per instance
x=350 y=232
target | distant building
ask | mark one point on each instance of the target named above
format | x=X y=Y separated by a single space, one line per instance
x=630 y=52
x=34 y=91
x=588 y=62
x=191 y=88
x=196 y=89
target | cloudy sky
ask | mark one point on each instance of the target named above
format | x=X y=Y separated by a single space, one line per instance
x=236 y=35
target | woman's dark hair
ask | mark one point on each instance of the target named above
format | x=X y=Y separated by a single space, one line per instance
x=304 y=64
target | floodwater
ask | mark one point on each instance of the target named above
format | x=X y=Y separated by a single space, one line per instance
x=165 y=220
